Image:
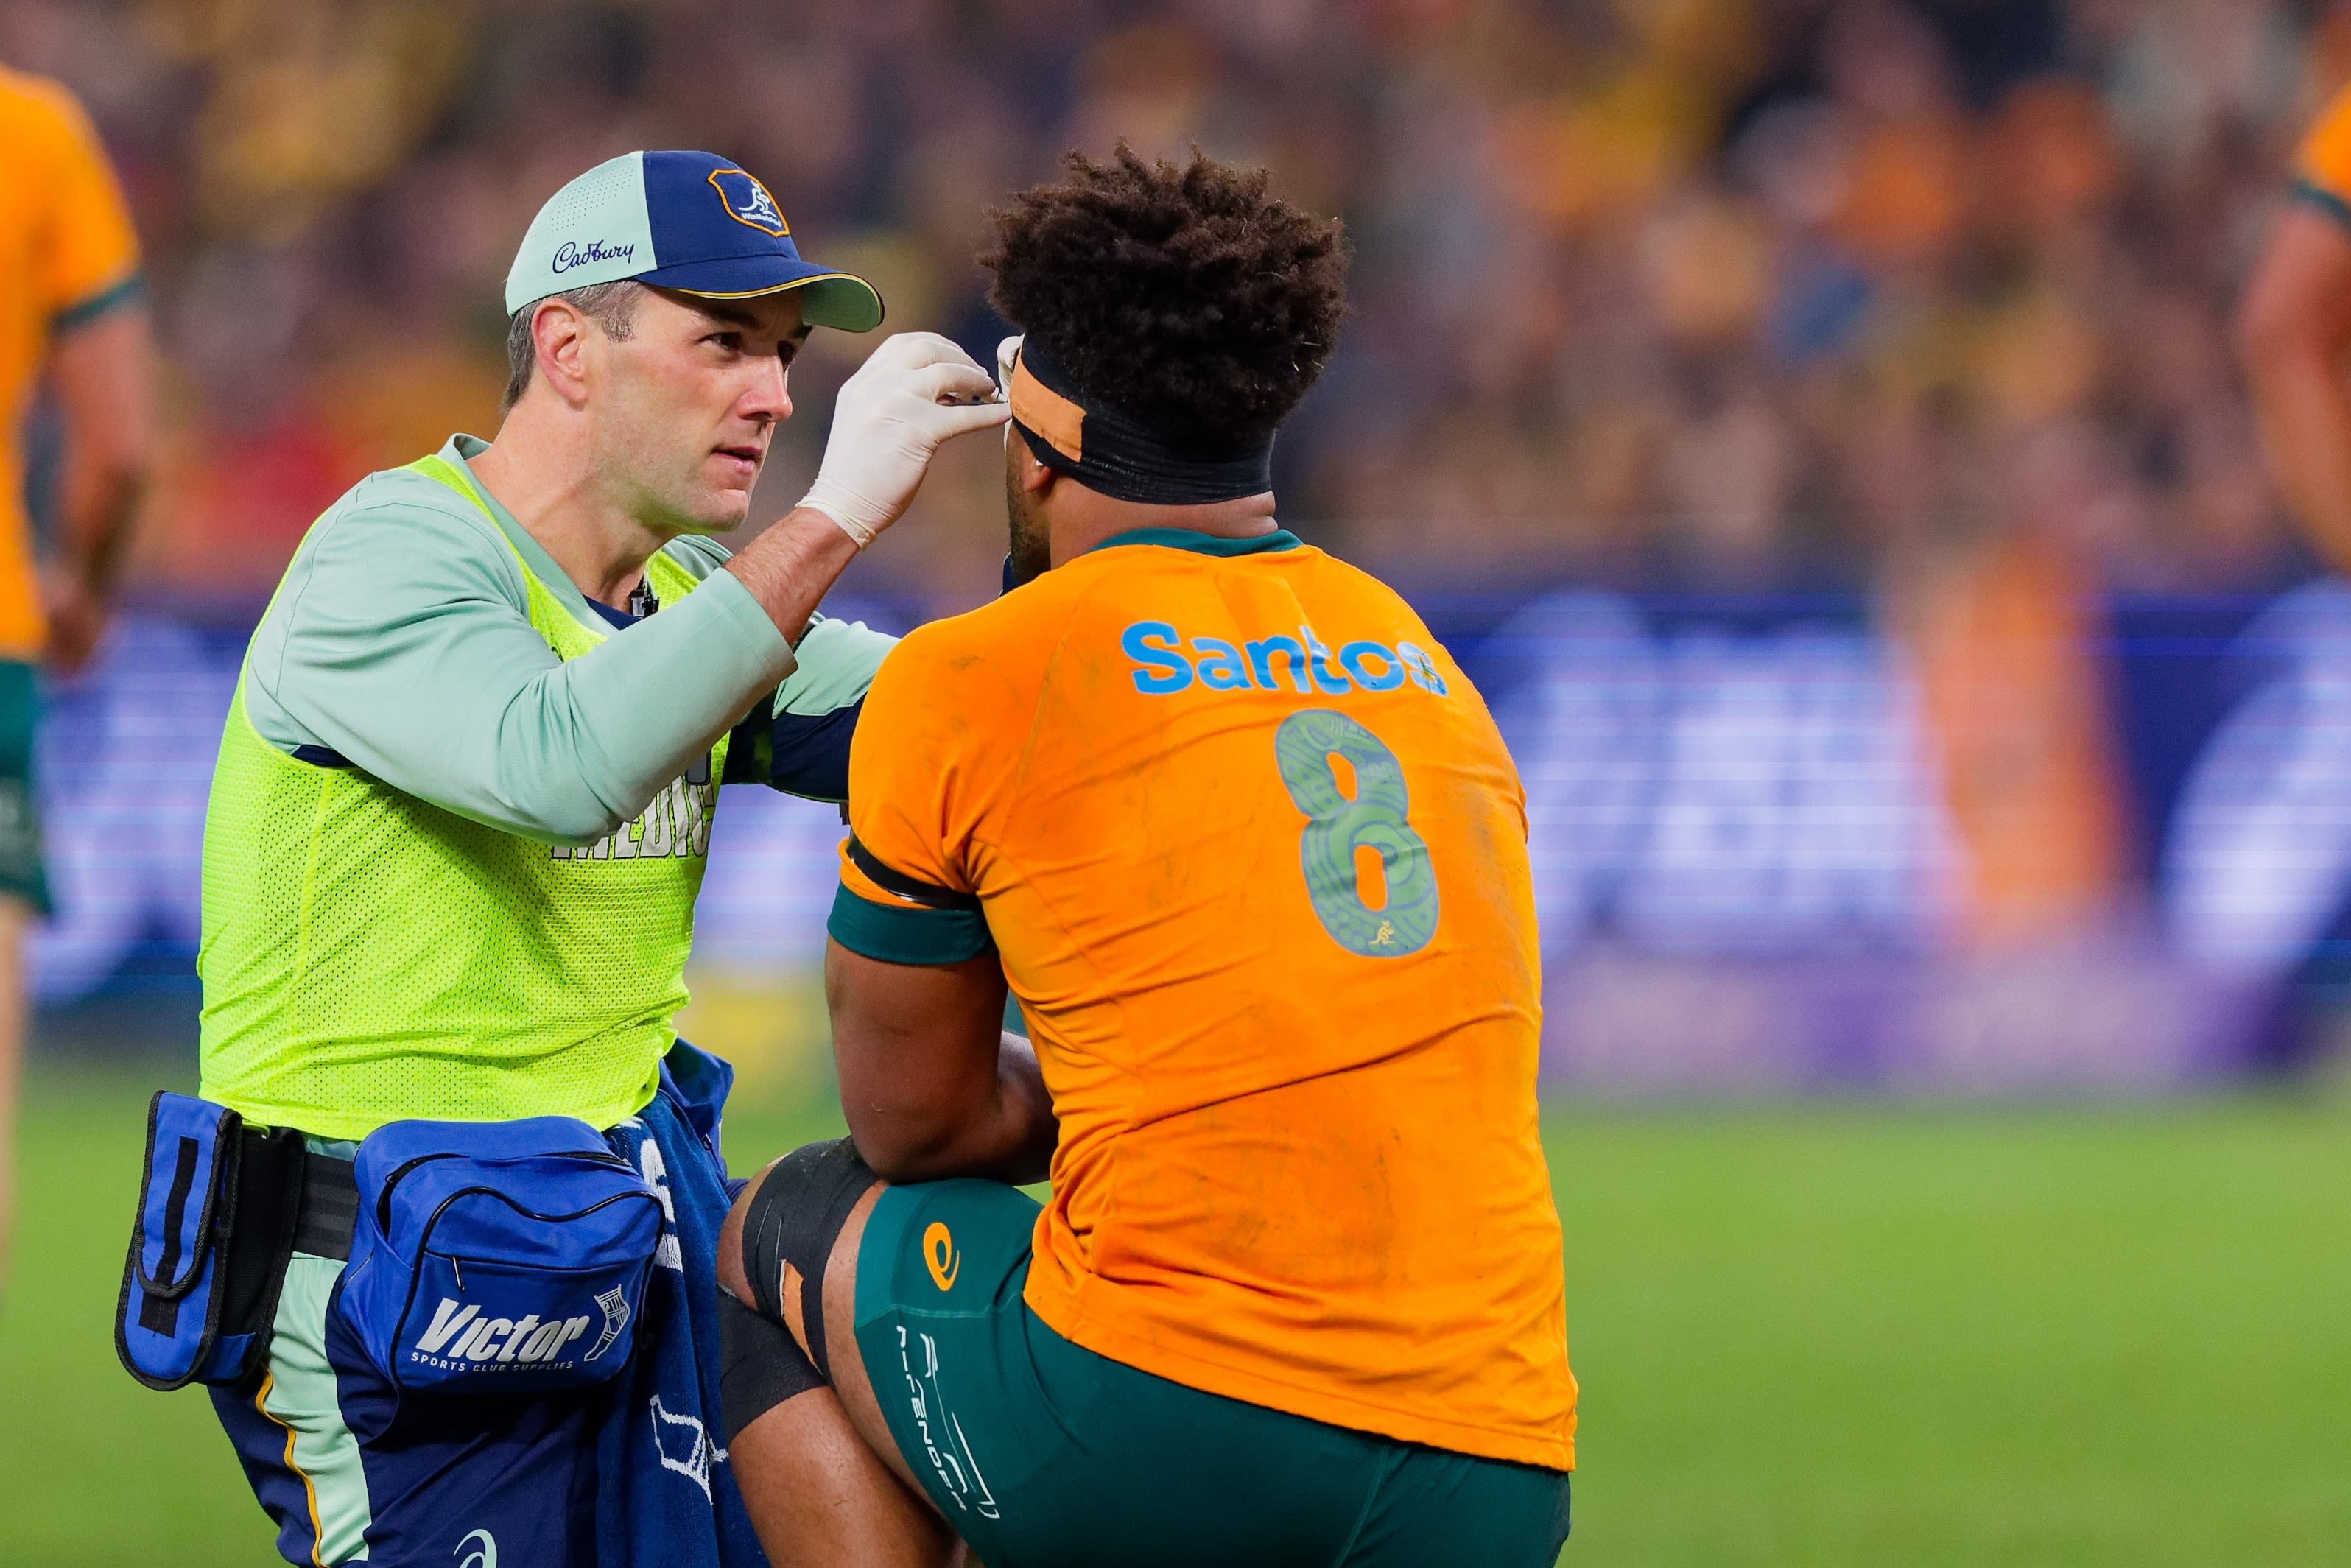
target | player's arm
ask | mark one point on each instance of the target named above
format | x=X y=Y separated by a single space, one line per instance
x=101 y=369
x=931 y=1084
x=2294 y=331
x=85 y=275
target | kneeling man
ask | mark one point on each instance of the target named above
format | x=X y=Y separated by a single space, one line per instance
x=1249 y=851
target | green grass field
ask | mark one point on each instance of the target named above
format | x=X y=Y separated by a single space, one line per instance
x=1820 y=1336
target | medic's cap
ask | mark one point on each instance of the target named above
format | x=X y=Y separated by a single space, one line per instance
x=688 y=220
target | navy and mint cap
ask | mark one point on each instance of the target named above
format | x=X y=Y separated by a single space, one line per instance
x=688 y=220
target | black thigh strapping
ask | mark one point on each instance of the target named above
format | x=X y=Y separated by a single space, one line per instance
x=795 y=1217
x=760 y=1365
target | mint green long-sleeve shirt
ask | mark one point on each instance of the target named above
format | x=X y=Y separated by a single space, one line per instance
x=400 y=643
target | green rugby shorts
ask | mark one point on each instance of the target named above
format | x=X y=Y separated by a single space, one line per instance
x=22 y=876
x=1042 y=1454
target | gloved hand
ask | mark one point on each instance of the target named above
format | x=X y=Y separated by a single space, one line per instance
x=889 y=419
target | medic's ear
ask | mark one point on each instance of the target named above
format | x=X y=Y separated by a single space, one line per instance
x=559 y=331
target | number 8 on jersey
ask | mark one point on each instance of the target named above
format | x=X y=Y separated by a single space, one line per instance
x=1337 y=827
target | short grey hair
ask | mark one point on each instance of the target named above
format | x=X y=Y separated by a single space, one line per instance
x=612 y=306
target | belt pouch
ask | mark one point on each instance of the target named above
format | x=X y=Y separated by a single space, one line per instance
x=497 y=1257
x=215 y=1225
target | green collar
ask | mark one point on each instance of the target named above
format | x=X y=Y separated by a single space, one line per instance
x=1202 y=544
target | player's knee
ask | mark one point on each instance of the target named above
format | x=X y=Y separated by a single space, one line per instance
x=772 y=1255
x=781 y=1234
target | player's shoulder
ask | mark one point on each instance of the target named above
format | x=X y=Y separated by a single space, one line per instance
x=44 y=126
x=993 y=657
x=39 y=106
x=1003 y=633
x=1019 y=625
x=1345 y=577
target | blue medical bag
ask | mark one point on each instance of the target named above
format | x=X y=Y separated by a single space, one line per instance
x=497 y=1257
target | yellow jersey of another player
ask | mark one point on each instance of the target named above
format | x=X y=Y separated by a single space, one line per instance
x=1254 y=858
x=66 y=254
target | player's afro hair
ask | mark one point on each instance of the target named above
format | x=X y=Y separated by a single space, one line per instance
x=1183 y=293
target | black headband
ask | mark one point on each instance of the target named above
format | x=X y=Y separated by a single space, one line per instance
x=1115 y=454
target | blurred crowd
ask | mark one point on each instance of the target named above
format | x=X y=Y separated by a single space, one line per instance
x=1725 y=293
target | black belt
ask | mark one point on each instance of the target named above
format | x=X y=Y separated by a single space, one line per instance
x=331 y=1208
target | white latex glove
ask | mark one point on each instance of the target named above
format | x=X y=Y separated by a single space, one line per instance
x=890 y=418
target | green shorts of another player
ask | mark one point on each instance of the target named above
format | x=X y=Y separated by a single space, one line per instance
x=1042 y=1454
x=22 y=876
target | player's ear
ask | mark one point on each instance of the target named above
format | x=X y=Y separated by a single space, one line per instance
x=559 y=338
x=1036 y=479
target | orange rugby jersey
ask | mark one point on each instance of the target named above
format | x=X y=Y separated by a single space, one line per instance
x=1254 y=857
x=66 y=254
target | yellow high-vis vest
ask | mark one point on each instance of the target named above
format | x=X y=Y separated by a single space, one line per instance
x=370 y=958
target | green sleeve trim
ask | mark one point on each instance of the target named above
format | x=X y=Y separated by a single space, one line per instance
x=904 y=934
x=2325 y=200
x=81 y=313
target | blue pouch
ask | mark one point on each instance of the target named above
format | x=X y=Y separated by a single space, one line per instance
x=217 y=1206
x=497 y=1257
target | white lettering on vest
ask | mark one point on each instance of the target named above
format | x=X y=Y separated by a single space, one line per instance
x=677 y=823
x=657 y=825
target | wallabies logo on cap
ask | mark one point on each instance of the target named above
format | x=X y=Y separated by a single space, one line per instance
x=748 y=201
